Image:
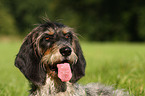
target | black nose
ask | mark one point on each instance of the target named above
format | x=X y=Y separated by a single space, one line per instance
x=65 y=51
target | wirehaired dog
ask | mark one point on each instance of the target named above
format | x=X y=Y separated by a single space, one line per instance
x=52 y=60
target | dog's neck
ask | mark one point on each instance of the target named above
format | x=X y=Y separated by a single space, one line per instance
x=55 y=87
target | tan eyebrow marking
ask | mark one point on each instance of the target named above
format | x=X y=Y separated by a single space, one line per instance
x=66 y=30
x=50 y=31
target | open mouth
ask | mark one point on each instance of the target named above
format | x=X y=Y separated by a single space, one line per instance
x=63 y=70
x=54 y=66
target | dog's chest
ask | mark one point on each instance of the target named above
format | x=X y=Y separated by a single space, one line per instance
x=52 y=88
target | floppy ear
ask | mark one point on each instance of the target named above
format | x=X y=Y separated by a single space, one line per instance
x=28 y=61
x=78 y=68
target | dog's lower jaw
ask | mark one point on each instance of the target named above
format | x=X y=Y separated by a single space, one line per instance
x=55 y=87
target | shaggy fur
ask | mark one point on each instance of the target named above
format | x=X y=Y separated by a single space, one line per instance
x=46 y=46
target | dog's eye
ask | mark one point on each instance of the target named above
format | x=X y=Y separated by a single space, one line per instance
x=67 y=36
x=48 y=38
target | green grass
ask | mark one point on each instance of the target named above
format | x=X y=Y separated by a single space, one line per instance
x=12 y=82
x=119 y=64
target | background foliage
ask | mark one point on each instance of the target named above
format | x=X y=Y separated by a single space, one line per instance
x=97 y=20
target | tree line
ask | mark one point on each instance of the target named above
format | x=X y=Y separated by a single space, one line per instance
x=95 y=20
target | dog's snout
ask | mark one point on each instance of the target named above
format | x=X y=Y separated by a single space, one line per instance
x=65 y=51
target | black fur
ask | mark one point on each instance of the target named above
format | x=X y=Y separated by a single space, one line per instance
x=29 y=63
x=79 y=67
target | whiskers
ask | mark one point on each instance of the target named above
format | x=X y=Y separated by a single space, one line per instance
x=54 y=57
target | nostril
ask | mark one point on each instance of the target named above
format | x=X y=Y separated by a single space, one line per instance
x=65 y=51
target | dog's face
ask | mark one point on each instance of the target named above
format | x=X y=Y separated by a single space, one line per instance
x=57 y=47
x=47 y=47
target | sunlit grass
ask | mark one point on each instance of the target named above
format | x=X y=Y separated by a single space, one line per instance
x=12 y=82
x=119 y=64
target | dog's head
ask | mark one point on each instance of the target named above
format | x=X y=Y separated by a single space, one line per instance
x=48 y=49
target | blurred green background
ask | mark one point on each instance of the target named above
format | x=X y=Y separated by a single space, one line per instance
x=96 y=20
x=112 y=38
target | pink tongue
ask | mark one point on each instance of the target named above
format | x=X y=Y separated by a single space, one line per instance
x=64 y=72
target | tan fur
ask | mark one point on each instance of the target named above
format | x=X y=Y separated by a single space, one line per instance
x=66 y=30
x=53 y=56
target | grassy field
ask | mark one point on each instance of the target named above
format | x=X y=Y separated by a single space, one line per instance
x=119 y=64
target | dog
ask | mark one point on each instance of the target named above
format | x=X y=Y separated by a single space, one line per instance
x=52 y=60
